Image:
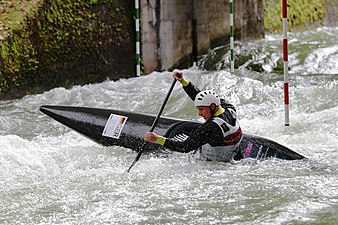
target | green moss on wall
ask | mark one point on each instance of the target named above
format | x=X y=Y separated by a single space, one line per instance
x=300 y=13
x=68 y=42
x=17 y=60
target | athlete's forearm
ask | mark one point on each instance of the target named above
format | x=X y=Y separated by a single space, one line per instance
x=191 y=90
x=184 y=147
x=177 y=146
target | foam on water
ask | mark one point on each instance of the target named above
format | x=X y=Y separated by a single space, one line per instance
x=50 y=174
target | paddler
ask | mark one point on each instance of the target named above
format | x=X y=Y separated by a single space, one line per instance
x=219 y=137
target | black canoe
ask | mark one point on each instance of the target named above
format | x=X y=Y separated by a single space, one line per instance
x=127 y=129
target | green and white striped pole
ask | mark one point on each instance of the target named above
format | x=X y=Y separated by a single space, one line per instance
x=232 y=63
x=137 y=26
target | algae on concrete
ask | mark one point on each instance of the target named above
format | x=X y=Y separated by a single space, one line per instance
x=301 y=13
x=64 y=43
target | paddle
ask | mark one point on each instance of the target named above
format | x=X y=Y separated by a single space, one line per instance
x=154 y=124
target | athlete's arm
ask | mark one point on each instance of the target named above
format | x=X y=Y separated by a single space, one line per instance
x=207 y=133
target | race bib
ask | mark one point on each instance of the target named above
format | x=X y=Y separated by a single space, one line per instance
x=114 y=126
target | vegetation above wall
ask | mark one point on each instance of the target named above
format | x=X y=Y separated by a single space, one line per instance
x=300 y=13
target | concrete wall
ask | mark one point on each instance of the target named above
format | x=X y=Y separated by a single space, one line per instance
x=165 y=32
x=175 y=32
x=187 y=28
x=331 y=17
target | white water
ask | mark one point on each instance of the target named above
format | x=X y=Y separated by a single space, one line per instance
x=49 y=174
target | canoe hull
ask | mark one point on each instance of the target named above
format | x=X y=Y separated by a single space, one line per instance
x=127 y=129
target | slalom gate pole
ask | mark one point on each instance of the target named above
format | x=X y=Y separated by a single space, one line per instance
x=232 y=63
x=285 y=58
x=137 y=26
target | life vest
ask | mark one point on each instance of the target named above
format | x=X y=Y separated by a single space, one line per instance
x=232 y=134
x=232 y=138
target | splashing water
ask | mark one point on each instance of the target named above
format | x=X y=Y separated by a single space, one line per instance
x=50 y=174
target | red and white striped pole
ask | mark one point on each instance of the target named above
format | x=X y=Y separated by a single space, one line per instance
x=285 y=57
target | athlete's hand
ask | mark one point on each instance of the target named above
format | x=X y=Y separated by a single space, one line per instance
x=177 y=75
x=150 y=136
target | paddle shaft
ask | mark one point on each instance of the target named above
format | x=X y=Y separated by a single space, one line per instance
x=154 y=124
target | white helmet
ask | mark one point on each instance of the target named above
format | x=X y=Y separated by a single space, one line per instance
x=206 y=98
